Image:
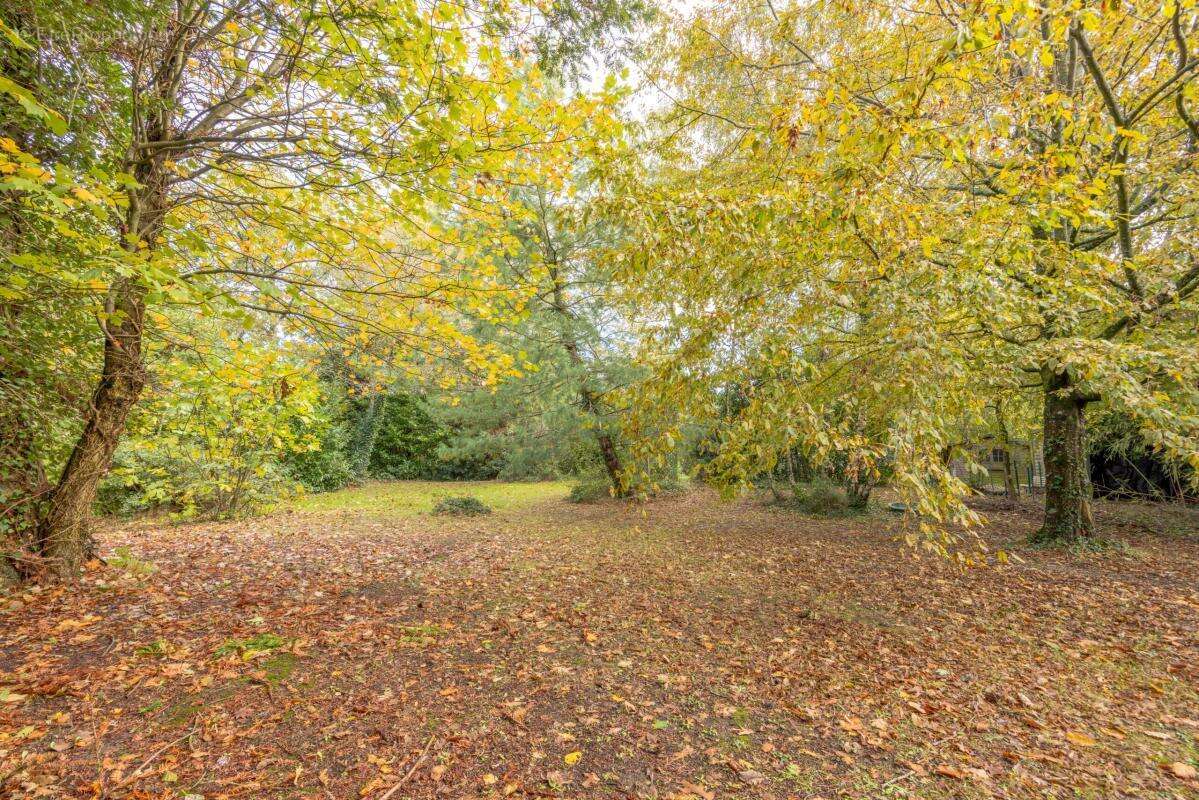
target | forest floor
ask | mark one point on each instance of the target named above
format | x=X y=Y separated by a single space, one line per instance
x=685 y=648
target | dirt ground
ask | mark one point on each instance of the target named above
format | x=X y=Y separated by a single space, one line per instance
x=685 y=648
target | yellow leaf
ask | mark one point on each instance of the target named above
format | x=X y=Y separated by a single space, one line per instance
x=9 y=696
x=84 y=194
x=1080 y=739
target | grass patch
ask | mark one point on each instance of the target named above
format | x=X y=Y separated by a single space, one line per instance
x=182 y=713
x=248 y=648
x=420 y=634
x=124 y=560
x=819 y=499
x=279 y=667
x=461 y=506
x=410 y=498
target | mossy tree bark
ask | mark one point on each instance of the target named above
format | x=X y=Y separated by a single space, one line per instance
x=1067 y=476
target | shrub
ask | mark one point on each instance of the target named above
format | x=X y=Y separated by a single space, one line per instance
x=667 y=483
x=123 y=559
x=590 y=490
x=821 y=498
x=464 y=506
x=211 y=443
x=405 y=446
x=324 y=470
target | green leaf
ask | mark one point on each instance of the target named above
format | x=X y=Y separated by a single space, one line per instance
x=52 y=119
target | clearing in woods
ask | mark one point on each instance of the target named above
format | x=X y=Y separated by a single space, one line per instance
x=355 y=646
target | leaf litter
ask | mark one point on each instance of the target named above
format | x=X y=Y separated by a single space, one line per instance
x=681 y=649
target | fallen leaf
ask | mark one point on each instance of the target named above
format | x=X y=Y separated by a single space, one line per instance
x=698 y=791
x=1181 y=770
x=679 y=756
x=9 y=696
x=1080 y=739
x=851 y=724
x=751 y=776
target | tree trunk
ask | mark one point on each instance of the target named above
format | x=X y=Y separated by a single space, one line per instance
x=64 y=535
x=1011 y=482
x=588 y=400
x=1067 y=477
x=773 y=485
x=611 y=461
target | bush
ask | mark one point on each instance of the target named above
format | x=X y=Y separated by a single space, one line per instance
x=212 y=444
x=590 y=490
x=405 y=446
x=324 y=465
x=820 y=498
x=668 y=483
x=324 y=470
x=208 y=487
x=464 y=506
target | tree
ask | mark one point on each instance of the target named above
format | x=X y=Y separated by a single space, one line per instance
x=957 y=205
x=270 y=159
x=565 y=332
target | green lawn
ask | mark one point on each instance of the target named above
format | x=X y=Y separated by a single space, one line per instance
x=406 y=498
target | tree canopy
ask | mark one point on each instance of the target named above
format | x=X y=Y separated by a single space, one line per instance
x=889 y=234
x=888 y=220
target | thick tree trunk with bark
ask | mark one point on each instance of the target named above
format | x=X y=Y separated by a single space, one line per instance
x=64 y=539
x=64 y=536
x=1067 y=477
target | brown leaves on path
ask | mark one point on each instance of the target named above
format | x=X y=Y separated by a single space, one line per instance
x=681 y=649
